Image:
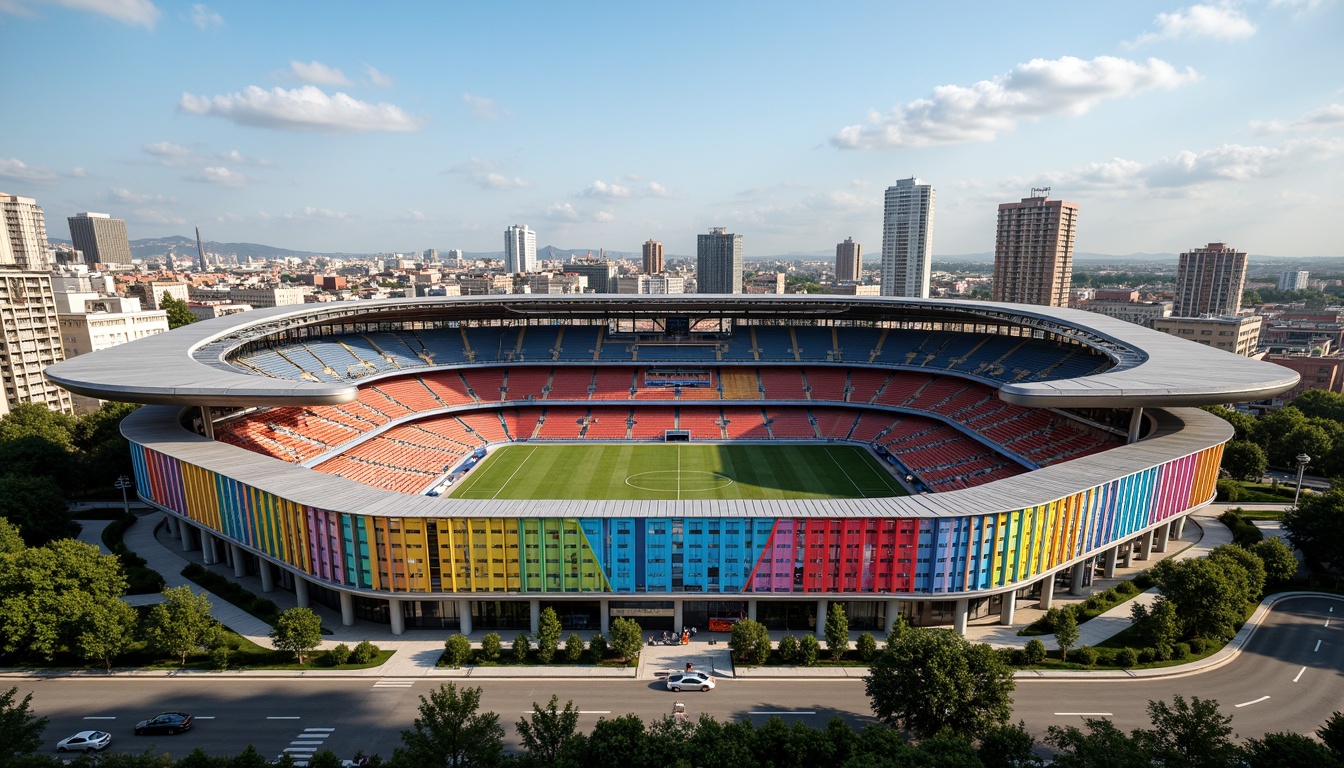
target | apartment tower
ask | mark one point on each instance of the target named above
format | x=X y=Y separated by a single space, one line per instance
x=1209 y=281
x=718 y=262
x=30 y=339
x=653 y=258
x=1033 y=250
x=848 y=261
x=520 y=249
x=101 y=238
x=907 y=239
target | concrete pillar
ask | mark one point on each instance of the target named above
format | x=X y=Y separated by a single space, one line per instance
x=207 y=548
x=1126 y=554
x=185 y=531
x=1108 y=564
x=1146 y=546
x=1135 y=424
x=960 y=615
x=535 y=607
x=1008 y=610
x=1163 y=536
x=893 y=611
x=208 y=421
x=820 y=632
x=347 y=609
x=172 y=524
x=1047 y=592
x=1180 y=526
x=267 y=575
x=751 y=610
x=1077 y=575
x=604 y=610
x=239 y=561
x=301 y=592
x=464 y=616
x=678 y=616
x=394 y=614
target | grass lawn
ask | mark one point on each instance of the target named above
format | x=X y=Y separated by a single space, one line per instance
x=672 y=472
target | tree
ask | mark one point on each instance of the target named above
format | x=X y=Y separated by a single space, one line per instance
x=1243 y=424
x=627 y=638
x=1308 y=438
x=457 y=650
x=1158 y=626
x=548 y=635
x=179 y=314
x=837 y=631
x=808 y=650
x=35 y=457
x=1033 y=653
x=1193 y=734
x=547 y=730
x=107 y=630
x=1245 y=460
x=491 y=647
x=451 y=732
x=182 y=623
x=1209 y=594
x=866 y=645
x=1066 y=633
x=898 y=626
x=11 y=541
x=1008 y=746
x=1313 y=527
x=1101 y=745
x=33 y=420
x=929 y=680
x=297 y=630
x=750 y=642
x=20 y=729
x=521 y=645
x=1321 y=403
x=45 y=593
x=1287 y=750
x=36 y=506
x=1332 y=735
x=1252 y=586
x=574 y=648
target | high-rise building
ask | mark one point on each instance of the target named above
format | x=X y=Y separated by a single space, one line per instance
x=848 y=261
x=1209 y=281
x=601 y=274
x=1293 y=281
x=23 y=236
x=455 y=256
x=718 y=262
x=1033 y=250
x=520 y=249
x=907 y=239
x=101 y=238
x=653 y=258
x=431 y=255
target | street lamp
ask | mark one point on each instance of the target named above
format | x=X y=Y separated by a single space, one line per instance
x=123 y=482
x=1302 y=461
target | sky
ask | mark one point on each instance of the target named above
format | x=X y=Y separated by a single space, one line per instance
x=371 y=127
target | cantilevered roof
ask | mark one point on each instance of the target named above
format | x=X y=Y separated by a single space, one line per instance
x=188 y=366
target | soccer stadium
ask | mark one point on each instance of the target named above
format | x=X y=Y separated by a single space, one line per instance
x=463 y=463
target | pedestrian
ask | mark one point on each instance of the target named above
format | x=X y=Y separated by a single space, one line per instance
x=689 y=666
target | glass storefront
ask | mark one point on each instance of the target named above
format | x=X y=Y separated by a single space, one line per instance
x=576 y=614
x=501 y=614
x=787 y=614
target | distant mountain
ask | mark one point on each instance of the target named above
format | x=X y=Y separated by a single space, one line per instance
x=156 y=247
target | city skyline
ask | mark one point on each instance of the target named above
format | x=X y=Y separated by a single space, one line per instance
x=349 y=133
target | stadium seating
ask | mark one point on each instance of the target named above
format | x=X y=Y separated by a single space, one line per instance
x=527 y=383
x=791 y=424
x=704 y=423
x=612 y=423
x=571 y=383
x=563 y=423
x=614 y=383
x=744 y=423
x=782 y=384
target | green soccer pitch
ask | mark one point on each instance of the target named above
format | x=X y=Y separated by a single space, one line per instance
x=678 y=471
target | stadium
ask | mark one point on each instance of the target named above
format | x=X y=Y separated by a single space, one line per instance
x=463 y=463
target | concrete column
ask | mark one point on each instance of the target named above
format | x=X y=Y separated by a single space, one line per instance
x=1008 y=610
x=347 y=609
x=1146 y=546
x=464 y=616
x=1163 y=536
x=301 y=592
x=239 y=561
x=207 y=548
x=172 y=524
x=535 y=606
x=1126 y=554
x=394 y=613
x=1047 y=592
x=678 y=616
x=1180 y=526
x=960 y=615
x=604 y=610
x=185 y=531
x=1076 y=577
x=1135 y=424
x=1108 y=564
x=751 y=610
x=820 y=632
x=893 y=611
x=267 y=575
x=208 y=421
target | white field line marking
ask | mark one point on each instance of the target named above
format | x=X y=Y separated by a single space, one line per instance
x=108 y=718
x=1083 y=714
x=1248 y=703
x=1317 y=648
x=782 y=712
x=515 y=472
x=1299 y=674
x=283 y=717
x=678 y=473
x=846 y=474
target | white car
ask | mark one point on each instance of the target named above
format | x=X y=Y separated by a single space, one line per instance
x=691 y=681
x=85 y=741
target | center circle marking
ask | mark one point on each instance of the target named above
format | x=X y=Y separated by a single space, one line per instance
x=664 y=480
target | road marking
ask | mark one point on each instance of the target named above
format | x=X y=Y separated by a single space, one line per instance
x=781 y=712
x=393 y=684
x=1249 y=703
x=1299 y=674
x=283 y=717
x=300 y=749
x=203 y=717
x=1327 y=622
x=306 y=743
x=1083 y=714
x=316 y=730
x=1317 y=648
x=101 y=718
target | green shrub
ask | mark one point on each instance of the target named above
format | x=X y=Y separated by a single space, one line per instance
x=866 y=646
x=1033 y=654
x=788 y=649
x=1087 y=655
x=598 y=645
x=1050 y=620
x=219 y=658
x=491 y=648
x=338 y=655
x=1013 y=657
x=457 y=650
x=193 y=571
x=574 y=648
x=1180 y=651
x=363 y=653
x=1198 y=645
x=521 y=647
x=1110 y=595
x=1244 y=532
x=1092 y=603
x=1126 y=589
x=1126 y=658
x=1144 y=581
x=1147 y=656
x=808 y=650
x=1229 y=490
x=263 y=607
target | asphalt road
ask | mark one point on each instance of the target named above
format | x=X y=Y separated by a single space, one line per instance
x=1287 y=678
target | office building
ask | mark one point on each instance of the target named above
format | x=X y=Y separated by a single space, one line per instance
x=90 y=321
x=455 y=257
x=520 y=249
x=431 y=255
x=653 y=258
x=650 y=284
x=267 y=296
x=852 y=289
x=1238 y=335
x=1136 y=312
x=1293 y=281
x=718 y=262
x=1033 y=250
x=848 y=261
x=23 y=236
x=764 y=282
x=601 y=274
x=101 y=238
x=1318 y=371
x=1209 y=281
x=907 y=239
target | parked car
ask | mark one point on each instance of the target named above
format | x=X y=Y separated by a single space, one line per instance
x=85 y=741
x=691 y=681
x=171 y=723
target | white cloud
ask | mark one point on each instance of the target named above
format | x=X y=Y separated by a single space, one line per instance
x=141 y=13
x=562 y=212
x=13 y=168
x=167 y=152
x=123 y=195
x=218 y=174
x=955 y=114
x=483 y=173
x=317 y=73
x=414 y=215
x=376 y=78
x=658 y=190
x=602 y=190
x=1219 y=22
x=205 y=18
x=307 y=108
x=485 y=108
x=1329 y=116
x=79 y=172
x=238 y=158
x=310 y=212
x=604 y=217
